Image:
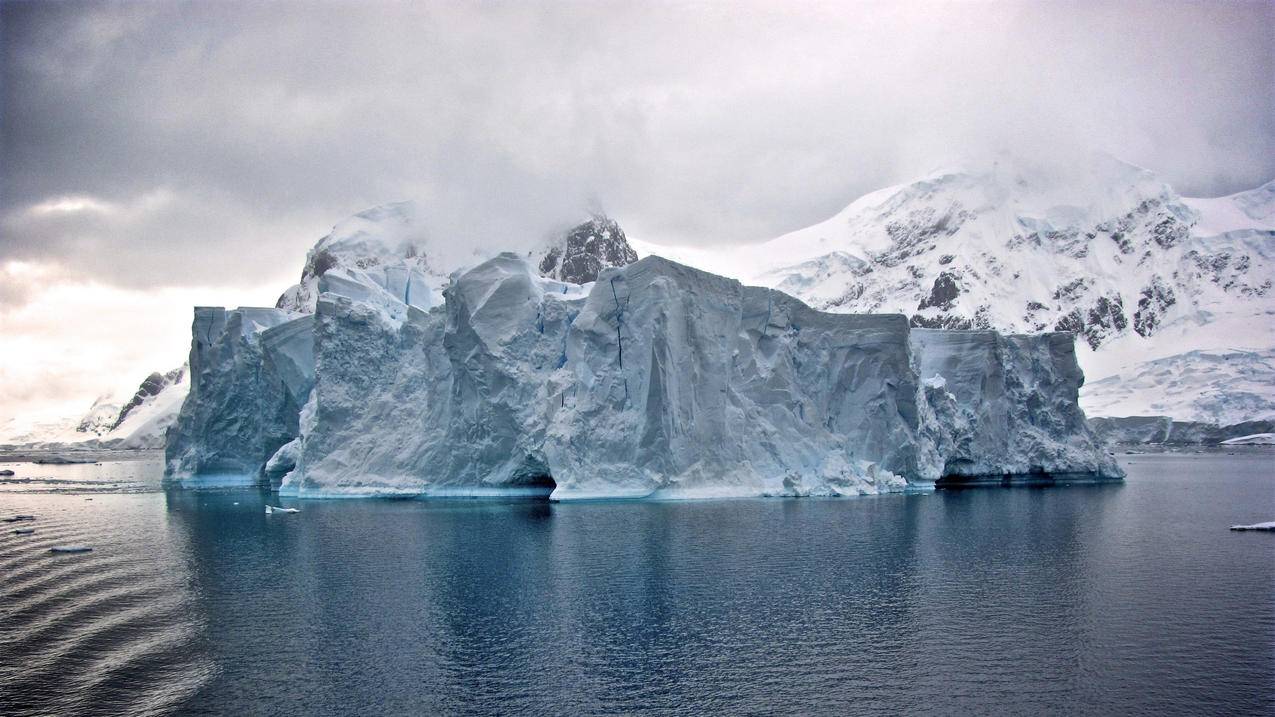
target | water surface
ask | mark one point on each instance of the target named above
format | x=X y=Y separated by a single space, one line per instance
x=1129 y=598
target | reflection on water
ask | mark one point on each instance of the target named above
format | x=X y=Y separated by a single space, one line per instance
x=1120 y=599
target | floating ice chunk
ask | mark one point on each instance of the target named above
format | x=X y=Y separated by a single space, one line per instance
x=1257 y=439
x=1255 y=526
x=270 y=509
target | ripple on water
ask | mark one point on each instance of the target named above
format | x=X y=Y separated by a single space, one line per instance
x=114 y=631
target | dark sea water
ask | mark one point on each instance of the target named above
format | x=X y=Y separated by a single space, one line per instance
x=1119 y=599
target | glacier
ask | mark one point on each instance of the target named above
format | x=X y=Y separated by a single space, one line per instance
x=654 y=379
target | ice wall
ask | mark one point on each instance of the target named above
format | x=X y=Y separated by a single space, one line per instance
x=239 y=410
x=679 y=382
x=450 y=401
x=655 y=380
x=1006 y=406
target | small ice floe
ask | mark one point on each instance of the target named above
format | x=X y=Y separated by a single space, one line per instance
x=1255 y=526
x=24 y=531
x=1256 y=439
x=71 y=549
x=19 y=518
x=275 y=509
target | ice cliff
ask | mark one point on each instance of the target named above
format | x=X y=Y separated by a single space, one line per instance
x=654 y=380
x=1006 y=406
x=239 y=410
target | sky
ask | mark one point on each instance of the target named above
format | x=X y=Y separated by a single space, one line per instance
x=155 y=156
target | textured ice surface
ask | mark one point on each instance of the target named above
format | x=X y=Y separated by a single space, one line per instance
x=238 y=411
x=1104 y=250
x=1008 y=404
x=1132 y=430
x=377 y=376
x=667 y=381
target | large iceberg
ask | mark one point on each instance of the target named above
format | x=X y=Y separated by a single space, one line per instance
x=656 y=379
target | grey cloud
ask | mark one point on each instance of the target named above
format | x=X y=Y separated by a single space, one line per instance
x=262 y=124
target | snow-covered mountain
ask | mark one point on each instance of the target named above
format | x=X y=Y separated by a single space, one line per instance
x=117 y=421
x=1105 y=250
x=1223 y=387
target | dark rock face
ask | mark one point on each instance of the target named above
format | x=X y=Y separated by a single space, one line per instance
x=586 y=250
x=943 y=293
x=1153 y=302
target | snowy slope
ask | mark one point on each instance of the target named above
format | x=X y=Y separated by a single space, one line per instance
x=1105 y=250
x=115 y=420
x=1223 y=387
x=387 y=249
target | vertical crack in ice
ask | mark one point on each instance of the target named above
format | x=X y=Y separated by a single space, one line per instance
x=770 y=300
x=619 y=321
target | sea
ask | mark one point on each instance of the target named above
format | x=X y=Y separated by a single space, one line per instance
x=1131 y=599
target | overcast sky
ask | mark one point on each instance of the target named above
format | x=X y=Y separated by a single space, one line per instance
x=153 y=156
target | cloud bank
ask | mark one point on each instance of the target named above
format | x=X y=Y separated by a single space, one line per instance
x=178 y=144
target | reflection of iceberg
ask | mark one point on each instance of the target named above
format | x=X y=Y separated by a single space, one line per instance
x=274 y=509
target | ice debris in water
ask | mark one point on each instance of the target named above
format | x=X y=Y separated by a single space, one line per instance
x=1255 y=526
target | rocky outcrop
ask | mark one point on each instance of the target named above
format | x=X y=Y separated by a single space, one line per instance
x=151 y=387
x=584 y=251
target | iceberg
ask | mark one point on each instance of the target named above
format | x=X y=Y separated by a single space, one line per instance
x=652 y=380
